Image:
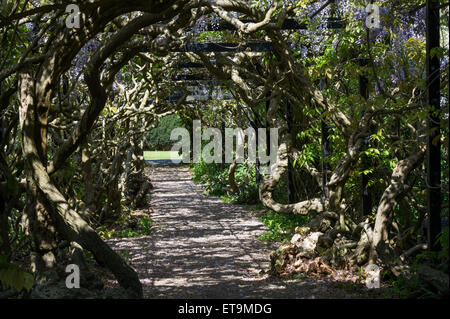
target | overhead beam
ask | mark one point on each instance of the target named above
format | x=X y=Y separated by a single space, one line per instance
x=192 y=65
x=288 y=24
x=176 y=95
x=226 y=47
x=190 y=77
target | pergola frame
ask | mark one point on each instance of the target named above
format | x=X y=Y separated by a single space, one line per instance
x=433 y=96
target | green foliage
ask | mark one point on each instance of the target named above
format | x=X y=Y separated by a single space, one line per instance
x=128 y=233
x=245 y=176
x=122 y=229
x=407 y=285
x=395 y=75
x=146 y=224
x=159 y=137
x=279 y=193
x=15 y=277
x=105 y=233
x=436 y=256
x=16 y=232
x=281 y=226
x=212 y=177
x=300 y=277
x=215 y=181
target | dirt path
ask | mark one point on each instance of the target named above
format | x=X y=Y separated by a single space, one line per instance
x=204 y=248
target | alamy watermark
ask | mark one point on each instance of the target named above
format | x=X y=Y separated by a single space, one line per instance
x=373 y=17
x=73 y=279
x=373 y=276
x=73 y=20
x=257 y=147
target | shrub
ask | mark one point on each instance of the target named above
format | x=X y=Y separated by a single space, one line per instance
x=281 y=226
x=159 y=137
x=215 y=181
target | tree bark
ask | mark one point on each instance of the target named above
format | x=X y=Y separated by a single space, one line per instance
x=68 y=222
x=41 y=225
x=396 y=190
x=231 y=179
x=271 y=180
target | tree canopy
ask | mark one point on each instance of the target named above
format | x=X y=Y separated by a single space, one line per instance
x=348 y=99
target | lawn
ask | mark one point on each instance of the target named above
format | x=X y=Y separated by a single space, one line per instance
x=161 y=155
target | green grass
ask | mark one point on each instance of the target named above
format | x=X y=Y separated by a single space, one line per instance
x=161 y=155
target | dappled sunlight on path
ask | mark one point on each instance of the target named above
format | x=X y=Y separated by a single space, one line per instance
x=201 y=247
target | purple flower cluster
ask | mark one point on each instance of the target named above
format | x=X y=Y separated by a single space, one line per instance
x=360 y=14
x=377 y=88
x=444 y=62
x=82 y=57
x=399 y=75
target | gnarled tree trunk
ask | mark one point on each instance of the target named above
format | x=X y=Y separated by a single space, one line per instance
x=68 y=223
x=396 y=190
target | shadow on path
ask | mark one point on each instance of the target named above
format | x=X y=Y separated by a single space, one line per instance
x=201 y=247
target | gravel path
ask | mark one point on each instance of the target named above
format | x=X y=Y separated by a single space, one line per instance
x=201 y=247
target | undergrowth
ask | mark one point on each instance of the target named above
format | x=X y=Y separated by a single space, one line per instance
x=281 y=226
x=127 y=226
